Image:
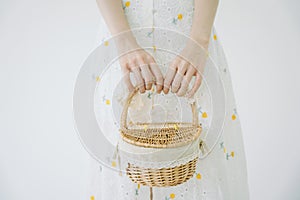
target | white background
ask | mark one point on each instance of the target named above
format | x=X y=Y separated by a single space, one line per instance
x=42 y=46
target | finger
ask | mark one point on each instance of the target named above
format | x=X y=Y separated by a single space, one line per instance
x=146 y=73
x=186 y=81
x=196 y=85
x=138 y=77
x=159 y=80
x=156 y=72
x=127 y=80
x=179 y=76
x=171 y=72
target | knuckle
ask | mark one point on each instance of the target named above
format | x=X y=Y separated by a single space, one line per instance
x=182 y=67
x=139 y=58
x=159 y=79
x=174 y=90
x=175 y=85
x=192 y=70
x=150 y=59
x=131 y=62
x=173 y=67
x=144 y=66
x=184 y=83
x=167 y=82
x=148 y=79
x=180 y=93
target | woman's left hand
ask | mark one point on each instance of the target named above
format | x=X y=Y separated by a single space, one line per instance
x=190 y=62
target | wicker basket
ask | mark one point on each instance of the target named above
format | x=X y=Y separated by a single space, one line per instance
x=160 y=135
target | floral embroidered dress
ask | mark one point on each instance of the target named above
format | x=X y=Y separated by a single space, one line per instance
x=222 y=174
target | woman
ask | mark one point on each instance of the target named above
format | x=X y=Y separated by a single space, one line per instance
x=222 y=175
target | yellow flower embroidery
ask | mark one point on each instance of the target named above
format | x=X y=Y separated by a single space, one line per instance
x=204 y=115
x=154 y=48
x=215 y=37
x=179 y=17
x=107 y=102
x=92 y=198
x=176 y=126
x=127 y=3
x=172 y=196
x=233 y=117
x=113 y=164
x=97 y=78
x=145 y=127
x=232 y=154
x=198 y=176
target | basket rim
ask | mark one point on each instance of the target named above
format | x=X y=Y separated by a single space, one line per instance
x=170 y=145
x=167 y=124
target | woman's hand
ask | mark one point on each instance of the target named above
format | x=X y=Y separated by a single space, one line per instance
x=190 y=62
x=136 y=60
x=133 y=58
x=192 y=59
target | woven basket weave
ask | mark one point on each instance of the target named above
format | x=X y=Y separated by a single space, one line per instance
x=160 y=135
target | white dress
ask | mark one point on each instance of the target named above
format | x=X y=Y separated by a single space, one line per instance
x=222 y=174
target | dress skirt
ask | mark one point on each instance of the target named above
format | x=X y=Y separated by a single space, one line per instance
x=222 y=173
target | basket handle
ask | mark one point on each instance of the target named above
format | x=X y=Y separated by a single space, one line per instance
x=129 y=99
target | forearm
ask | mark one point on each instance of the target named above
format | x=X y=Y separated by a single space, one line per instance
x=115 y=19
x=204 y=16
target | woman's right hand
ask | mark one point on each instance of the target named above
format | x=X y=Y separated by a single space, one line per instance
x=134 y=59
